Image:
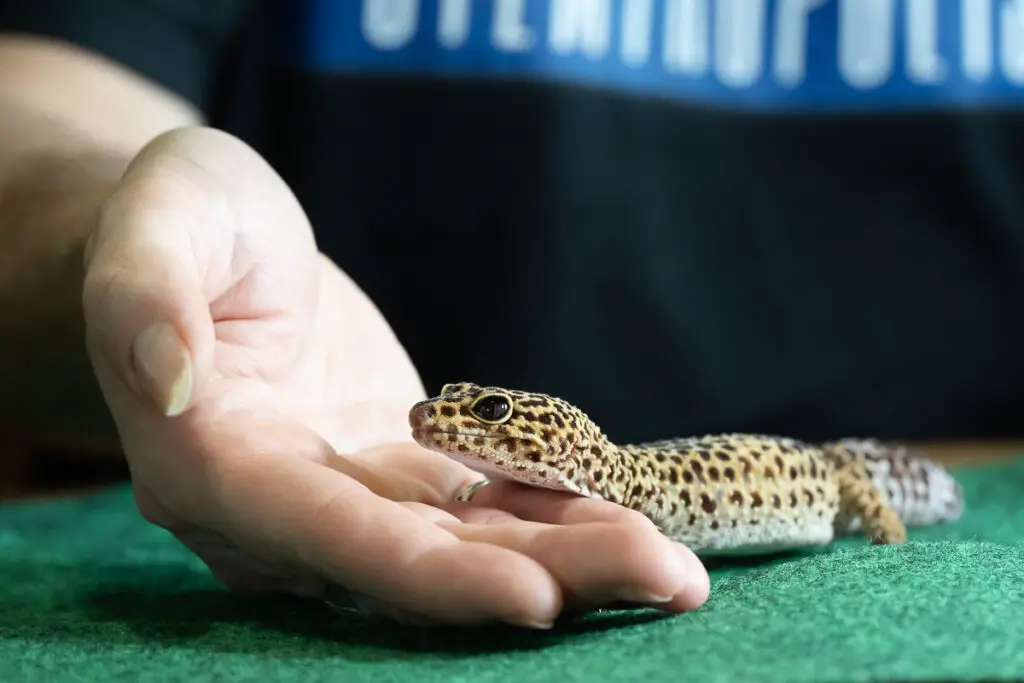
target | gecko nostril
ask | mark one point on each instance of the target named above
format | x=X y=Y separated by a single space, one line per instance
x=418 y=415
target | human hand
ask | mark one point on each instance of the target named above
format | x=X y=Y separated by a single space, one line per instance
x=261 y=402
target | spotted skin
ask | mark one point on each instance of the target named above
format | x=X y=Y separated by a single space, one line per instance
x=717 y=494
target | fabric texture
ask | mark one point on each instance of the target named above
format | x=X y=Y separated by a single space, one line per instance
x=90 y=592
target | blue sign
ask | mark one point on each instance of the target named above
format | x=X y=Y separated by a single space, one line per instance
x=798 y=55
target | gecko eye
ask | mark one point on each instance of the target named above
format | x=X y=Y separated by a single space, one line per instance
x=492 y=408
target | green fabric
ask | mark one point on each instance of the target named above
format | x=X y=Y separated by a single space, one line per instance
x=89 y=592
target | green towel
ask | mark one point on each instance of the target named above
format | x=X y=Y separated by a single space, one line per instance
x=89 y=592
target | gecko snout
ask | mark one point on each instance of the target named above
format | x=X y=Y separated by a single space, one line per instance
x=420 y=415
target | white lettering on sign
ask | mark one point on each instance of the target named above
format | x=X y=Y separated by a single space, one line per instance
x=583 y=26
x=732 y=44
x=866 y=37
x=789 y=63
x=976 y=38
x=390 y=24
x=739 y=41
x=509 y=33
x=637 y=17
x=453 y=23
x=1011 y=41
x=924 y=63
x=686 y=37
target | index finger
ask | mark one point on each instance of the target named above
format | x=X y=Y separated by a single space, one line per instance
x=551 y=507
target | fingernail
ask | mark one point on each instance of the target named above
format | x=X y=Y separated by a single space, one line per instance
x=642 y=595
x=538 y=625
x=164 y=367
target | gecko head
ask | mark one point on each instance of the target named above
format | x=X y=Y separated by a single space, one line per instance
x=526 y=437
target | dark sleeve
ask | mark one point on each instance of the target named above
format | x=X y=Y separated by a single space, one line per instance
x=176 y=43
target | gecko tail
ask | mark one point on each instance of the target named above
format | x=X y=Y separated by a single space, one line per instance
x=922 y=491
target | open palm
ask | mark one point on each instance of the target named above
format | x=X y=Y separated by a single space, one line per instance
x=262 y=401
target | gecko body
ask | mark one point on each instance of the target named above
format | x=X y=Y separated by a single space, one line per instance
x=718 y=494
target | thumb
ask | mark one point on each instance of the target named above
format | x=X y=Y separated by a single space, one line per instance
x=147 y=319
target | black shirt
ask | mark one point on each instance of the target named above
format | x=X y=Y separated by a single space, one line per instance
x=683 y=216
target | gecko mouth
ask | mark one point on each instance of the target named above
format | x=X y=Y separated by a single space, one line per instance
x=439 y=436
x=465 y=435
x=501 y=467
x=438 y=439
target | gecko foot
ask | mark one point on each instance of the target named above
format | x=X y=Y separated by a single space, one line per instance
x=466 y=493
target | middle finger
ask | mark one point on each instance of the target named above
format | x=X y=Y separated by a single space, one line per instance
x=600 y=562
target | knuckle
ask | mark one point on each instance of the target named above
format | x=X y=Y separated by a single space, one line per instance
x=632 y=540
x=636 y=519
x=99 y=287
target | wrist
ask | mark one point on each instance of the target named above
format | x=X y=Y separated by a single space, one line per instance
x=48 y=209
